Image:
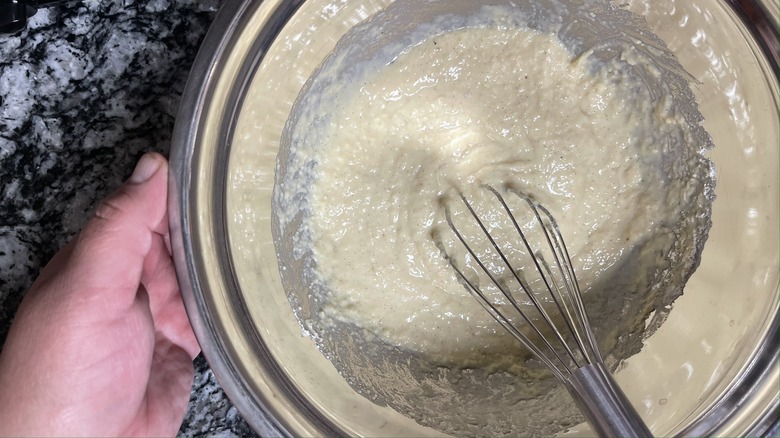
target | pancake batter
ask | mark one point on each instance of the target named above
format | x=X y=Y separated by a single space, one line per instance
x=490 y=104
x=396 y=120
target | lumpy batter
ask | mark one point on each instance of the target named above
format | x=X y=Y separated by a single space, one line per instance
x=492 y=104
x=396 y=120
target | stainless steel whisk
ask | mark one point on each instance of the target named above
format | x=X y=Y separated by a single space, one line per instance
x=563 y=340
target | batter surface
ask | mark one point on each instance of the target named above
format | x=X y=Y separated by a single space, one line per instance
x=500 y=105
x=395 y=122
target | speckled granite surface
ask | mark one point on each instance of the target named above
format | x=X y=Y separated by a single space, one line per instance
x=84 y=91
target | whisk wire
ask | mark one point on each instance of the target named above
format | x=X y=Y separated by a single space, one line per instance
x=592 y=387
x=539 y=270
x=584 y=337
x=565 y=296
x=493 y=309
x=566 y=270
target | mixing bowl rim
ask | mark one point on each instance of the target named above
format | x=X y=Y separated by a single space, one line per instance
x=186 y=151
x=204 y=75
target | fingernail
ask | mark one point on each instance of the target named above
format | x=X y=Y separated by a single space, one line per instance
x=146 y=167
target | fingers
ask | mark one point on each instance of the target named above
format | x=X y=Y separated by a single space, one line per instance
x=103 y=330
x=109 y=253
x=166 y=304
x=122 y=247
x=168 y=390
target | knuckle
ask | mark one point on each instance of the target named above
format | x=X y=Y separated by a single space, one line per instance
x=112 y=207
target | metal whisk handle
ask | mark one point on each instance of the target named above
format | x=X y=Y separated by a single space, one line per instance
x=604 y=405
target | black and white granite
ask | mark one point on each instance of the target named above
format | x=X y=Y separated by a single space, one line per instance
x=85 y=90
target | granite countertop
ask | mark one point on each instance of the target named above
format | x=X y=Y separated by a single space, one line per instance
x=85 y=90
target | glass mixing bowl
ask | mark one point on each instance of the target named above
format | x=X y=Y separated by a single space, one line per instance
x=711 y=367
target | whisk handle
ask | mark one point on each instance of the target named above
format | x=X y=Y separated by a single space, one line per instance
x=604 y=405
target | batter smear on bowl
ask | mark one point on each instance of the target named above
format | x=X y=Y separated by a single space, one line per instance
x=375 y=145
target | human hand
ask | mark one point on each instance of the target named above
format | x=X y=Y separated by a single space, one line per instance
x=101 y=344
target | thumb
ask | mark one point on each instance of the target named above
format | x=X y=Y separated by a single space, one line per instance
x=109 y=252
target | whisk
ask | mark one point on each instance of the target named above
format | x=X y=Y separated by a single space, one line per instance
x=561 y=336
